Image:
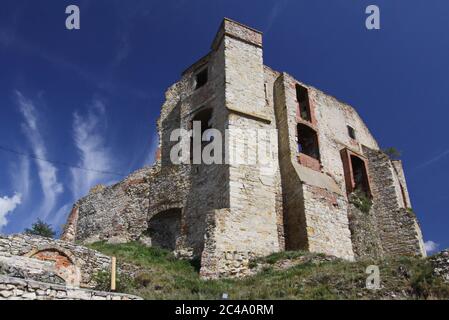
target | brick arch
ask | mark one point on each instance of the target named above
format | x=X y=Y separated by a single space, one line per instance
x=65 y=263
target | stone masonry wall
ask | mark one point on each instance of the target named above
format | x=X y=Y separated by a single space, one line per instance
x=249 y=227
x=85 y=262
x=366 y=241
x=117 y=213
x=398 y=227
x=226 y=214
x=20 y=289
x=440 y=263
x=315 y=207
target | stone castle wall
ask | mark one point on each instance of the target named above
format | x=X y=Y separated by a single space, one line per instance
x=115 y=213
x=227 y=214
x=397 y=224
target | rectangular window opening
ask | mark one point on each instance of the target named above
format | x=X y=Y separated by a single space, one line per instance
x=360 y=175
x=302 y=96
x=201 y=78
x=308 y=142
x=351 y=132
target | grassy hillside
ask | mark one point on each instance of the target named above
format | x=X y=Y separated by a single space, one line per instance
x=289 y=275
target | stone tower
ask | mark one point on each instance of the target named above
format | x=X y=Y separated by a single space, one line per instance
x=328 y=187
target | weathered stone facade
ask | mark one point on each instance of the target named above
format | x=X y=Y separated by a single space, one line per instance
x=227 y=214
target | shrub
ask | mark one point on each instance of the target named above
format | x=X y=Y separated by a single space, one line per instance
x=361 y=201
x=40 y=228
x=393 y=153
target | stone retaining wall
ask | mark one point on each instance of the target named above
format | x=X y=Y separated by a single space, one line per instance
x=19 y=289
x=76 y=264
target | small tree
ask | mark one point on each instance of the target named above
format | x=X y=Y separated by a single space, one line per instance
x=40 y=228
x=393 y=153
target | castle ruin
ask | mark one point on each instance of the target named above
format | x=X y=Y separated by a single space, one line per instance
x=332 y=191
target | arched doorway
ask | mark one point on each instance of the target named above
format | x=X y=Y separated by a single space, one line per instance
x=164 y=228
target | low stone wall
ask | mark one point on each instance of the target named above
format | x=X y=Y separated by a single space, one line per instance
x=28 y=268
x=75 y=264
x=19 y=289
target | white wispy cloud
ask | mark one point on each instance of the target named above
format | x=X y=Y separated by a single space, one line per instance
x=431 y=246
x=151 y=155
x=20 y=177
x=433 y=160
x=123 y=49
x=47 y=172
x=88 y=135
x=60 y=217
x=275 y=12
x=8 y=205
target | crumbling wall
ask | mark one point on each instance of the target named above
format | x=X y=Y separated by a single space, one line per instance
x=366 y=241
x=77 y=265
x=29 y=268
x=117 y=213
x=398 y=227
x=440 y=263
x=25 y=289
x=230 y=213
x=315 y=208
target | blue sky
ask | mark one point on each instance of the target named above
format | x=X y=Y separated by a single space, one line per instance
x=90 y=98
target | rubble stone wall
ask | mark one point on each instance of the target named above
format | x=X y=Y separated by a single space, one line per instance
x=81 y=263
x=398 y=227
x=20 y=289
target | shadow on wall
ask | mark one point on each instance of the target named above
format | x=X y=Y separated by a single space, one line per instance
x=164 y=229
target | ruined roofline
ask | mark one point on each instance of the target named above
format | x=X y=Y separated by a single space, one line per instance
x=197 y=64
x=336 y=100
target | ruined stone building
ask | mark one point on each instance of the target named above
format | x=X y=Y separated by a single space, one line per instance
x=333 y=190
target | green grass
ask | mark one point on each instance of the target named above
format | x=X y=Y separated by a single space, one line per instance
x=164 y=277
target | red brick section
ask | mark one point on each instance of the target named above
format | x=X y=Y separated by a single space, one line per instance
x=158 y=155
x=320 y=194
x=61 y=261
x=309 y=162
